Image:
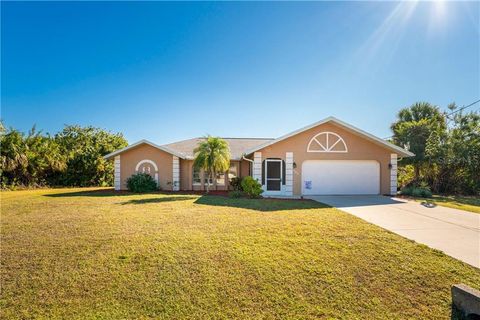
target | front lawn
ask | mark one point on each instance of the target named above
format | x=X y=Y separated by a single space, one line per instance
x=85 y=254
x=466 y=203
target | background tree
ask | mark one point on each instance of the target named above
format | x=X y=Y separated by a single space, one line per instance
x=13 y=158
x=465 y=141
x=44 y=157
x=447 y=148
x=74 y=157
x=412 y=129
x=84 y=148
x=28 y=160
x=213 y=156
x=455 y=154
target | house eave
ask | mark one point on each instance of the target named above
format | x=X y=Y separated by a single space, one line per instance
x=143 y=141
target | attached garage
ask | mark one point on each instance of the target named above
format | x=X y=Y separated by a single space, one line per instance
x=329 y=157
x=340 y=177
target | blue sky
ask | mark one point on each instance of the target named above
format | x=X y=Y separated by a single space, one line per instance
x=169 y=71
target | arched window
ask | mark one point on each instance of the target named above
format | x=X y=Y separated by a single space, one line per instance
x=149 y=167
x=327 y=142
x=146 y=161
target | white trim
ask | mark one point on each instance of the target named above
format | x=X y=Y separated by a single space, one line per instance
x=117 y=182
x=257 y=166
x=328 y=148
x=175 y=174
x=168 y=150
x=146 y=161
x=400 y=151
x=393 y=174
x=153 y=164
x=288 y=174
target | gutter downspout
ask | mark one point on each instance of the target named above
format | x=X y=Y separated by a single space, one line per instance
x=249 y=160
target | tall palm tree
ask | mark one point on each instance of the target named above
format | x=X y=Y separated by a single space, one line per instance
x=213 y=156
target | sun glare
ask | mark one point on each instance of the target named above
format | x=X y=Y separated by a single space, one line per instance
x=439 y=11
x=391 y=30
x=387 y=37
x=439 y=6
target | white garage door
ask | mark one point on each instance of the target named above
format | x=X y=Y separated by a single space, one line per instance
x=324 y=177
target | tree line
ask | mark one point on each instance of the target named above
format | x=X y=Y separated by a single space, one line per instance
x=71 y=157
x=446 y=145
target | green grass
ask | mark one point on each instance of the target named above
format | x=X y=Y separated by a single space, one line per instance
x=466 y=203
x=83 y=254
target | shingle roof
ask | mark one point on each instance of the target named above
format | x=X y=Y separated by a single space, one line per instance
x=238 y=146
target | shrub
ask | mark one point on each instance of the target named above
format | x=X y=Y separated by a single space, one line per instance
x=236 y=184
x=406 y=175
x=235 y=194
x=141 y=182
x=406 y=191
x=424 y=193
x=251 y=187
x=420 y=192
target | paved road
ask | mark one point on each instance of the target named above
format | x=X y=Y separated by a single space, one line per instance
x=455 y=232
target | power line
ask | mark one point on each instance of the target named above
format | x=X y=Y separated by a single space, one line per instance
x=465 y=107
x=453 y=112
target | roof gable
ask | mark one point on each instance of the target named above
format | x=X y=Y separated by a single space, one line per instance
x=133 y=145
x=400 y=151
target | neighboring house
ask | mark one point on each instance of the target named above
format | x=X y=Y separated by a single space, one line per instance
x=327 y=157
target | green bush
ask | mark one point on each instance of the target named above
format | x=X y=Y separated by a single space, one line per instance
x=420 y=192
x=236 y=183
x=235 y=194
x=406 y=175
x=251 y=187
x=141 y=182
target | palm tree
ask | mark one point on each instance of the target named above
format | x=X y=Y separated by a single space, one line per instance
x=412 y=129
x=14 y=155
x=213 y=156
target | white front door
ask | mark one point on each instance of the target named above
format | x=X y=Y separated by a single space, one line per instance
x=337 y=177
x=273 y=177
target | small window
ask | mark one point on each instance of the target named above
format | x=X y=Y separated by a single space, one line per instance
x=196 y=176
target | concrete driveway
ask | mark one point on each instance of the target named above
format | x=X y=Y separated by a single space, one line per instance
x=455 y=232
